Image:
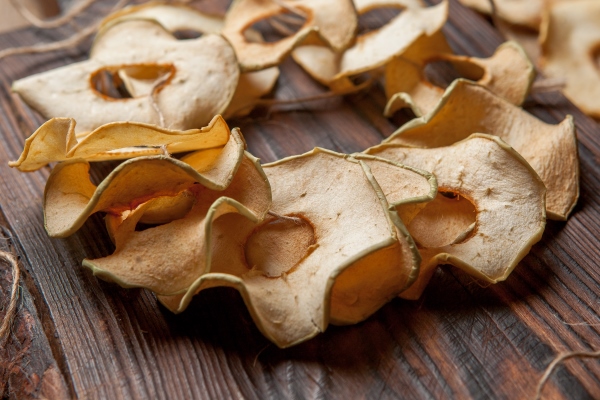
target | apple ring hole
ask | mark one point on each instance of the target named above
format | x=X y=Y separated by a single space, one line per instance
x=278 y=245
x=376 y=18
x=130 y=81
x=442 y=73
x=187 y=34
x=274 y=28
x=448 y=219
x=596 y=56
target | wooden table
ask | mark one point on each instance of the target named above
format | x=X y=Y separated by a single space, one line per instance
x=77 y=336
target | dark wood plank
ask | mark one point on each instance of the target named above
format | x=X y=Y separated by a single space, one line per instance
x=28 y=367
x=460 y=340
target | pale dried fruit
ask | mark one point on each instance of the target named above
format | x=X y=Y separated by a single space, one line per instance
x=501 y=215
x=468 y=108
x=526 y=13
x=178 y=17
x=70 y=198
x=526 y=37
x=173 y=17
x=507 y=73
x=333 y=246
x=570 y=39
x=330 y=22
x=194 y=79
x=168 y=258
x=251 y=87
x=335 y=21
x=412 y=27
x=56 y=140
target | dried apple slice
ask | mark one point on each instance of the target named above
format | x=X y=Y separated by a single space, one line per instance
x=524 y=13
x=364 y=287
x=507 y=73
x=333 y=246
x=56 y=140
x=159 y=210
x=502 y=213
x=412 y=28
x=526 y=37
x=336 y=22
x=179 y=17
x=70 y=198
x=415 y=30
x=217 y=165
x=251 y=87
x=332 y=21
x=468 y=108
x=407 y=87
x=195 y=79
x=570 y=39
x=174 y=17
x=168 y=258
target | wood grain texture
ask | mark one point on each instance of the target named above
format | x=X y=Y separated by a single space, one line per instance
x=28 y=368
x=460 y=340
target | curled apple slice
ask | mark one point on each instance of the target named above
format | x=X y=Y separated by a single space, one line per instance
x=193 y=80
x=332 y=249
x=468 y=108
x=501 y=215
x=70 y=198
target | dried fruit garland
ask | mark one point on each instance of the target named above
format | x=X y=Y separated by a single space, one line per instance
x=303 y=247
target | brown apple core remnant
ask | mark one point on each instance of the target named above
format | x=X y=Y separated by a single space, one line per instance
x=448 y=219
x=278 y=245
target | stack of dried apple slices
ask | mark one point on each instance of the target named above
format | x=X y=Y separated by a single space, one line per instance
x=316 y=238
x=302 y=251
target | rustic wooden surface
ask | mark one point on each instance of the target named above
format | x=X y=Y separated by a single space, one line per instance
x=76 y=336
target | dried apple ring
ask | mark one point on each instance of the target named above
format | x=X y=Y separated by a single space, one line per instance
x=198 y=79
x=333 y=248
x=330 y=22
x=503 y=190
x=56 y=140
x=570 y=43
x=416 y=26
x=181 y=18
x=507 y=73
x=70 y=198
x=468 y=108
